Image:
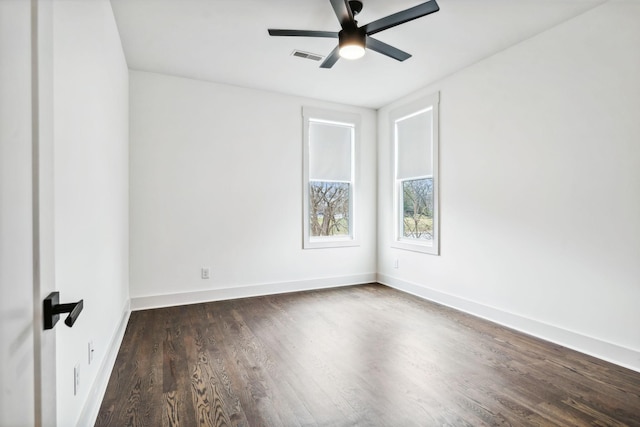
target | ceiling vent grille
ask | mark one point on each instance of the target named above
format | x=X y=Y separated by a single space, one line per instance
x=307 y=55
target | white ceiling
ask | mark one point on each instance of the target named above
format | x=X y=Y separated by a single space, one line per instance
x=226 y=41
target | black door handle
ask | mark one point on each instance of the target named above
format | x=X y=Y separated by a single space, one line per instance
x=52 y=310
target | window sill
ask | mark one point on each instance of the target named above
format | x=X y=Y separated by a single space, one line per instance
x=410 y=245
x=330 y=243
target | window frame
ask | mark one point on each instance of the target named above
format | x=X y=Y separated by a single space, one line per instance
x=432 y=246
x=311 y=114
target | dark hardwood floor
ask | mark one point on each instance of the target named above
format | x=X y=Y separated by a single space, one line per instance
x=354 y=356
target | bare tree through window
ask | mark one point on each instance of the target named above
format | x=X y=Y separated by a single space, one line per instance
x=329 y=208
x=417 y=208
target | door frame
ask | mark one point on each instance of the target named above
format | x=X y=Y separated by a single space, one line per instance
x=42 y=164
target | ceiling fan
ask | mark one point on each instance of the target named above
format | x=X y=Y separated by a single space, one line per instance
x=352 y=40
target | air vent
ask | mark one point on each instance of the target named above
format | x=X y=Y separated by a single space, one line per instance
x=307 y=55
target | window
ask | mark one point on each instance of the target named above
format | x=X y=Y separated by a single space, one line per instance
x=415 y=137
x=330 y=143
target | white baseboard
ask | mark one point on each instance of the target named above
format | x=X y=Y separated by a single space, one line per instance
x=607 y=351
x=89 y=413
x=157 y=301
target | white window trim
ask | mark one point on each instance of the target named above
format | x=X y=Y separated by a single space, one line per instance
x=338 y=117
x=432 y=247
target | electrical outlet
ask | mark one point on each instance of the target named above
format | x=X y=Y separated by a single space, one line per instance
x=91 y=350
x=76 y=378
x=205 y=272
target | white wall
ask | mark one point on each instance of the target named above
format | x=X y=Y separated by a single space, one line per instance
x=91 y=191
x=16 y=256
x=216 y=181
x=540 y=171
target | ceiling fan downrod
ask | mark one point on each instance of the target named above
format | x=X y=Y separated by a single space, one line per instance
x=356 y=6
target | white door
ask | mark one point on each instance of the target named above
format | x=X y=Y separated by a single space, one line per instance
x=27 y=353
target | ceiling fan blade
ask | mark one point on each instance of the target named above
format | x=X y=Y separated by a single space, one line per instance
x=385 y=49
x=303 y=33
x=331 y=59
x=401 y=17
x=344 y=13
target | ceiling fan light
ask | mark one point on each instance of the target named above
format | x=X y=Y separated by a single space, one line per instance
x=352 y=43
x=351 y=51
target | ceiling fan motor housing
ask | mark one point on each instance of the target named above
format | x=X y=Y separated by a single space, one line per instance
x=352 y=37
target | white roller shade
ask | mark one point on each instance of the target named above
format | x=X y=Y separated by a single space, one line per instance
x=330 y=147
x=414 y=145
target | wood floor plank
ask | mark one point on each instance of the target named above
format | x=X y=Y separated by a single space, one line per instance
x=289 y=382
x=176 y=384
x=221 y=364
x=129 y=377
x=207 y=389
x=355 y=356
x=298 y=380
